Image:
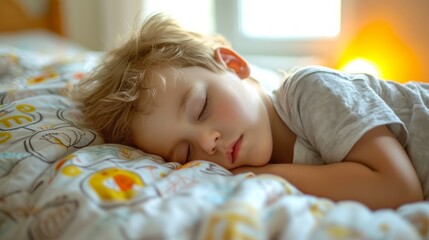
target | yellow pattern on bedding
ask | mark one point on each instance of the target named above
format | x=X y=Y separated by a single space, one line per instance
x=58 y=180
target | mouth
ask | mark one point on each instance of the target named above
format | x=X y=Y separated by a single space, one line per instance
x=234 y=149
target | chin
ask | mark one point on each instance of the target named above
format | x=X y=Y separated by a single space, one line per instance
x=261 y=160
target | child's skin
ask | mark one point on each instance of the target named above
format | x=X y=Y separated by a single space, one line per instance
x=226 y=118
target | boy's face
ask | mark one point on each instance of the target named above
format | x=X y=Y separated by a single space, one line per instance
x=203 y=115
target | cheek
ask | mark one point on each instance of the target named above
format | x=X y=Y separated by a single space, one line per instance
x=236 y=104
x=229 y=111
x=224 y=112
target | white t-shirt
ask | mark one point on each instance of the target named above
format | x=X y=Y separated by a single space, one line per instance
x=330 y=111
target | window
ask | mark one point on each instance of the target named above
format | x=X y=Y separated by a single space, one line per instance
x=279 y=27
x=289 y=19
x=256 y=27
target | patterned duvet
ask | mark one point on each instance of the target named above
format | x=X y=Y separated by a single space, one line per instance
x=58 y=180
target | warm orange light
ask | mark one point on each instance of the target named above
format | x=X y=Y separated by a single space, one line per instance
x=362 y=65
x=379 y=45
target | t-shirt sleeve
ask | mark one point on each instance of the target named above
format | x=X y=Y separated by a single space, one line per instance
x=333 y=110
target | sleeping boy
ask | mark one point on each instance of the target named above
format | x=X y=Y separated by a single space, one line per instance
x=185 y=96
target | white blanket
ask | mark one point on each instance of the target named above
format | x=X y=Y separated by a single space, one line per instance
x=59 y=181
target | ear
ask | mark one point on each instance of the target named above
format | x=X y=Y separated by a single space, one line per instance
x=232 y=60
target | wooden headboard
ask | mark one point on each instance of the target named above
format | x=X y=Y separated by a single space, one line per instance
x=15 y=16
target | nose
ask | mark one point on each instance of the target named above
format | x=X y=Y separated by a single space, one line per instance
x=208 y=141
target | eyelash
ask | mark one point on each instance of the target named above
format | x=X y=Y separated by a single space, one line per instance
x=201 y=116
x=188 y=154
x=204 y=110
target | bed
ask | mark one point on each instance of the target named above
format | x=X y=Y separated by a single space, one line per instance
x=59 y=180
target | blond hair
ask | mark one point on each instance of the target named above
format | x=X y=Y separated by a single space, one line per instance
x=108 y=97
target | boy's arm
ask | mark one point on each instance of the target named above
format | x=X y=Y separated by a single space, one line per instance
x=376 y=172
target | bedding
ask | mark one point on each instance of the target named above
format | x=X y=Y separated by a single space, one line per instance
x=59 y=180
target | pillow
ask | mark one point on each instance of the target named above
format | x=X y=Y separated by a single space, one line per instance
x=38 y=124
x=37 y=131
x=41 y=41
x=269 y=79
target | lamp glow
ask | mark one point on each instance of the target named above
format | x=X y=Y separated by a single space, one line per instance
x=378 y=49
x=362 y=65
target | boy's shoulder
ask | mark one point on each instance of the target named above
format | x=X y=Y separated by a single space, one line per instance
x=314 y=80
x=308 y=74
x=317 y=75
x=305 y=72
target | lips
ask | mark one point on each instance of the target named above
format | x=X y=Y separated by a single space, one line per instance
x=234 y=149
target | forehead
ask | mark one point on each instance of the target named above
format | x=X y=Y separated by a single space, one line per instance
x=163 y=77
x=157 y=82
x=162 y=81
x=153 y=130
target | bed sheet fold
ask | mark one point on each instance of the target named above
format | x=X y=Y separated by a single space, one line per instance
x=59 y=180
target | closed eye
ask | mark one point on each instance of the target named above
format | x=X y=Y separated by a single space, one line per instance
x=188 y=154
x=203 y=112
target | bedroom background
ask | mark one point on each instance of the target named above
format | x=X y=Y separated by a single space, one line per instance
x=384 y=37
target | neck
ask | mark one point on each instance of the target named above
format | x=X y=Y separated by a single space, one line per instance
x=283 y=138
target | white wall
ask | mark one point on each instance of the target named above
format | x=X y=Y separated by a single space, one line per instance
x=98 y=24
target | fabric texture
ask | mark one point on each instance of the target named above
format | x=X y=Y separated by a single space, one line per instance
x=58 y=180
x=330 y=111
